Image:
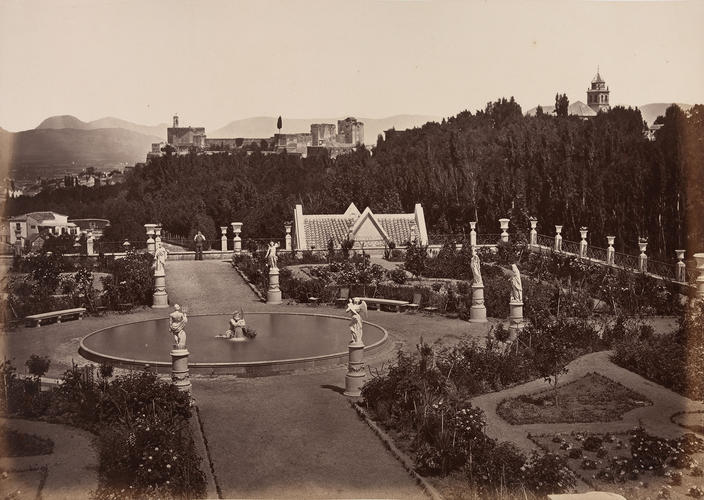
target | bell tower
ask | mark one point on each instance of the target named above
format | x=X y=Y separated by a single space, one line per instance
x=598 y=94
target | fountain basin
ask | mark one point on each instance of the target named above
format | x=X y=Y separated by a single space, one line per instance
x=285 y=342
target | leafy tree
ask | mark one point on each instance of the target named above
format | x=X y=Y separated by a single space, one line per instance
x=551 y=350
x=562 y=104
x=278 y=124
x=416 y=259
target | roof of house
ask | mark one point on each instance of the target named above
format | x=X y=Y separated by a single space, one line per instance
x=577 y=108
x=318 y=229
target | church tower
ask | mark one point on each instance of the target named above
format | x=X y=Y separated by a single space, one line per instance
x=598 y=95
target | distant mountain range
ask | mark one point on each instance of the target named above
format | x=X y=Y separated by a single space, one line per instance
x=68 y=121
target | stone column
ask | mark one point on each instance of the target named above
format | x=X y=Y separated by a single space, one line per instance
x=610 y=252
x=223 y=238
x=179 y=369
x=473 y=236
x=503 y=223
x=477 y=313
x=354 y=379
x=681 y=272
x=151 y=244
x=289 y=245
x=89 y=243
x=642 y=258
x=160 y=299
x=699 y=257
x=273 y=293
x=533 y=231
x=558 y=238
x=583 y=243
x=157 y=237
x=515 y=318
x=237 y=241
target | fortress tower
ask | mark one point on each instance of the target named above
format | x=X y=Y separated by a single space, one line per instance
x=598 y=94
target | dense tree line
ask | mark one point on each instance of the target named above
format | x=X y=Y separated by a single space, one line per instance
x=602 y=173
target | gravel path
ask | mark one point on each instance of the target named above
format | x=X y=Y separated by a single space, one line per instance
x=655 y=418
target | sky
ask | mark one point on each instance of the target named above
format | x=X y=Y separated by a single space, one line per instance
x=217 y=61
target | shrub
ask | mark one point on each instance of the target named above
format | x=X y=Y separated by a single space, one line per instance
x=131 y=281
x=398 y=276
x=38 y=365
x=416 y=259
x=548 y=473
x=592 y=443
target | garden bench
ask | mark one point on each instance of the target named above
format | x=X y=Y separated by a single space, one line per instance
x=36 y=319
x=384 y=302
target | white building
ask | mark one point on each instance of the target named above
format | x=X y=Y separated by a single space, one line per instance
x=33 y=223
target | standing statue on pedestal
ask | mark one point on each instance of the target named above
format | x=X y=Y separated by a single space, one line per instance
x=475 y=264
x=357 y=309
x=160 y=255
x=271 y=258
x=177 y=323
x=516 y=286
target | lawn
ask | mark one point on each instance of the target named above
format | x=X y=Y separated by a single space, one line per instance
x=592 y=398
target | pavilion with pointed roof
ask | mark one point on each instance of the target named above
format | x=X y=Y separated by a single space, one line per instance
x=367 y=229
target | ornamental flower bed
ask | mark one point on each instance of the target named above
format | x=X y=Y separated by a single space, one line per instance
x=636 y=465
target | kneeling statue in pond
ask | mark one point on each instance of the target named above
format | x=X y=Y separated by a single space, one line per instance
x=237 y=328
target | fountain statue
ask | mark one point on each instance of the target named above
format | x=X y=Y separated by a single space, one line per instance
x=271 y=258
x=476 y=271
x=516 y=286
x=177 y=323
x=237 y=325
x=357 y=309
x=160 y=255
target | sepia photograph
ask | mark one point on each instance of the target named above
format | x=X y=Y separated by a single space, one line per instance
x=371 y=249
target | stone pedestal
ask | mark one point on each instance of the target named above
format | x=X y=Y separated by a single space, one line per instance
x=289 y=245
x=558 y=239
x=504 y=229
x=477 y=313
x=237 y=241
x=157 y=237
x=160 y=299
x=179 y=369
x=699 y=257
x=642 y=258
x=90 y=249
x=610 y=252
x=473 y=236
x=681 y=268
x=533 y=232
x=354 y=380
x=515 y=318
x=223 y=238
x=583 y=243
x=273 y=293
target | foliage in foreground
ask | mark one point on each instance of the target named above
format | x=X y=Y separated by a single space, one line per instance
x=425 y=396
x=144 y=440
x=674 y=360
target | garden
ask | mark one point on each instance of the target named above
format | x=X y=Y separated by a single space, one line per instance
x=48 y=281
x=141 y=424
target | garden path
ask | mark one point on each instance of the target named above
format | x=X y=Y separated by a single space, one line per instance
x=284 y=436
x=72 y=468
x=655 y=418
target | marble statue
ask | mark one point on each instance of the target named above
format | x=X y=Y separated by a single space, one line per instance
x=236 y=328
x=475 y=264
x=271 y=258
x=357 y=309
x=160 y=255
x=177 y=323
x=516 y=286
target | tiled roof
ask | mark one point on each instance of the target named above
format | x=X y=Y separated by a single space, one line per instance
x=40 y=216
x=319 y=229
x=397 y=226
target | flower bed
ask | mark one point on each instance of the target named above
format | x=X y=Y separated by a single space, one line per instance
x=636 y=465
x=592 y=398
